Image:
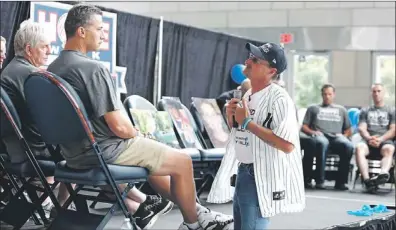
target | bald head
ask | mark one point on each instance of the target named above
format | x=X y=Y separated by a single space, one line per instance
x=377 y=92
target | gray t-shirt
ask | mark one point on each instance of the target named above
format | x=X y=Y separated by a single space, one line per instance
x=12 y=80
x=329 y=119
x=96 y=88
x=378 y=119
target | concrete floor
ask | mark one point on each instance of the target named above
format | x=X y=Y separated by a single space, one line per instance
x=324 y=209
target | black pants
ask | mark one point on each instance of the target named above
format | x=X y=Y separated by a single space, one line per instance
x=318 y=146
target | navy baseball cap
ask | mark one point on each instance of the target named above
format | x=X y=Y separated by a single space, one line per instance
x=271 y=52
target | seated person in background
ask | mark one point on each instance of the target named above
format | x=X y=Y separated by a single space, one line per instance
x=31 y=51
x=226 y=96
x=171 y=172
x=377 y=128
x=327 y=124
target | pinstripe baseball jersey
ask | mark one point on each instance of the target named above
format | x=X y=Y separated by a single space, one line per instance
x=278 y=175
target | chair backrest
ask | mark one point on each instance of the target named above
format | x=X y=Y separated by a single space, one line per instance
x=56 y=109
x=165 y=104
x=138 y=102
x=9 y=116
x=197 y=118
x=210 y=121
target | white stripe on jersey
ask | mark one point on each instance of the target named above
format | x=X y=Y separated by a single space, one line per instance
x=275 y=171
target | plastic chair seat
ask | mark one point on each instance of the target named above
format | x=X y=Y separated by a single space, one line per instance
x=215 y=154
x=195 y=154
x=26 y=169
x=96 y=176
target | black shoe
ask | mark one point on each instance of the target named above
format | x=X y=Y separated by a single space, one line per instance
x=370 y=185
x=149 y=211
x=382 y=178
x=341 y=187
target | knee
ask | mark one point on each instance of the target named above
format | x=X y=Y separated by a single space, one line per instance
x=184 y=161
x=361 y=149
x=387 y=150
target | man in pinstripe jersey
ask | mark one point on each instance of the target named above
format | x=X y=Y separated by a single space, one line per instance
x=266 y=144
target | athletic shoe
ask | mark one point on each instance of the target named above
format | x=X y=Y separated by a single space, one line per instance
x=211 y=220
x=149 y=211
x=381 y=178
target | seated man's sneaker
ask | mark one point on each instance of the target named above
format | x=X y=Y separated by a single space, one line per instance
x=211 y=220
x=149 y=211
x=381 y=178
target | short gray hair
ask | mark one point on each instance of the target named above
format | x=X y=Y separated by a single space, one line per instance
x=79 y=16
x=3 y=39
x=29 y=33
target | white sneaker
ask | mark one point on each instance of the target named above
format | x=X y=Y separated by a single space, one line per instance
x=211 y=220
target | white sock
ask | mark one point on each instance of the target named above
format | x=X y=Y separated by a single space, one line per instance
x=201 y=208
x=193 y=225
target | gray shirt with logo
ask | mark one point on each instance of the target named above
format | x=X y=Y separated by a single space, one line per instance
x=329 y=119
x=96 y=88
x=378 y=119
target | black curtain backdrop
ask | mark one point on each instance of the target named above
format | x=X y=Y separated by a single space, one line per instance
x=197 y=62
x=137 y=38
x=12 y=15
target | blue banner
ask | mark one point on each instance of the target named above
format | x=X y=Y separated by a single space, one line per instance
x=53 y=15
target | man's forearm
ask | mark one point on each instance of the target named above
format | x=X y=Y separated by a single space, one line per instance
x=388 y=135
x=269 y=137
x=364 y=134
x=307 y=130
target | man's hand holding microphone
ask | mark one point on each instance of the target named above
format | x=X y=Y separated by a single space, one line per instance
x=237 y=110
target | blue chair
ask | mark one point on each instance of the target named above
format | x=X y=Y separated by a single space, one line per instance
x=61 y=118
x=19 y=209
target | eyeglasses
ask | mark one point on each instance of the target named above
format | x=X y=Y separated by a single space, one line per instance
x=257 y=60
x=254 y=58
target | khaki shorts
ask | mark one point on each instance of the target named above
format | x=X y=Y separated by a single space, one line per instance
x=143 y=152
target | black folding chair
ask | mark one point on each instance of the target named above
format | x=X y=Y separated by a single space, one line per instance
x=18 y=210
x=61 y=118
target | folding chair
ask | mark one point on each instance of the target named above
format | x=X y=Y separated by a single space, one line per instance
x=18 y=210
x=61 y=118
x=210 y=157
x=138 y=102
